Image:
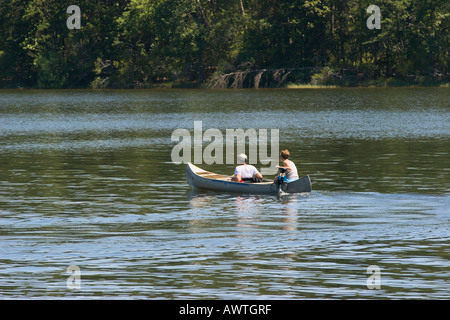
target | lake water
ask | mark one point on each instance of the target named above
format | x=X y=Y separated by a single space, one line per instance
x=87 y=180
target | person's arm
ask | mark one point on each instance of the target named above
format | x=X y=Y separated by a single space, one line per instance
x=286 y=165
x=257 y=174
x=237 y=176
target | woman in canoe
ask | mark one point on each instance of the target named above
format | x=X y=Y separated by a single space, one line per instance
x=288 y=170
x=245 y=172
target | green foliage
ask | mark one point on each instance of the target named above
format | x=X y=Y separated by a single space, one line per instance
x=143 y=43
x=16 y=66
x=326 y=77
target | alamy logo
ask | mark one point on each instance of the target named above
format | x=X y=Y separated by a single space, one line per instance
x=374 y=280
x=214 y=151
x=374 y=21
x=74 y=280
x=74 y=21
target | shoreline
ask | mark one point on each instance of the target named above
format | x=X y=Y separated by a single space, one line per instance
x=287 y=87
x=290 y=85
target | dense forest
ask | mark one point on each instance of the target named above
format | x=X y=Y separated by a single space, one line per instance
x=222 y=43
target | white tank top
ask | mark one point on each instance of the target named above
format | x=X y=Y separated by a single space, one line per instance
x=292 y=174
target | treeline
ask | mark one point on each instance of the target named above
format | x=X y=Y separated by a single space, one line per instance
x=222 y=43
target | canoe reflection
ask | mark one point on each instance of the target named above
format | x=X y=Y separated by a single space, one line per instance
x=246 y=212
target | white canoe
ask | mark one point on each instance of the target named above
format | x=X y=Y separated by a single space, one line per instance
x=201 y=179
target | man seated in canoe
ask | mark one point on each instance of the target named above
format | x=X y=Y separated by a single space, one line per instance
x=245 y=172
x=288 y=170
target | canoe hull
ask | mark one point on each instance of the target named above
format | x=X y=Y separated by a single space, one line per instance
x=201 y=179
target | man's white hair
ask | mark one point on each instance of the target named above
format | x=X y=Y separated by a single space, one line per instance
x=241 y=158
